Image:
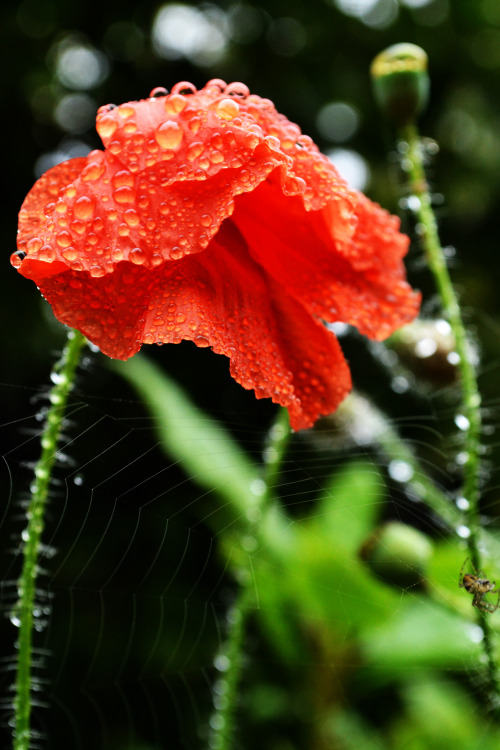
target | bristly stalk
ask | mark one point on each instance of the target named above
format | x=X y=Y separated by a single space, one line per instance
x=230 y=660
x=23 y=615
x=471 y=399
x=401 y=85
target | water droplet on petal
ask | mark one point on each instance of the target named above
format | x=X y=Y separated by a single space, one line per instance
x=175 y=104
x=70 y=254
x=184 y=87
x=137 y=256
x=131 y=217
x=124 y=194
x=123 y=178
x=227 y=109
x=158 y=92
x=201 y=341
x=237 y=89
x=125 y=111
x=106 y=126
x=47 y=253
x=92 y=172
x=83 y=208
x=194 y=150
x=34 y=245
x=17 y=258
x=63 y=239
x=169 y=134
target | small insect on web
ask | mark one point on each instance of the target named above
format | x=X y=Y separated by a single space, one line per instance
x=479 y=587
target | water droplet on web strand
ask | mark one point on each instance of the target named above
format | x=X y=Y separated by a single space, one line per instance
x=221 y=663
x=462 y=503
x=462 y=422
x=463 y=531
x=400 y=471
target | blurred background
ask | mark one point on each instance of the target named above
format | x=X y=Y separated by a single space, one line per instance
x=348 y=659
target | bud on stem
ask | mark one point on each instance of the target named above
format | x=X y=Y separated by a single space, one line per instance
x=401 y=82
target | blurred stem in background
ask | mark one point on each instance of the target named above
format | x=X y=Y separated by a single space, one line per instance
x=27 y=615
x=231 y=658
x=401 y=85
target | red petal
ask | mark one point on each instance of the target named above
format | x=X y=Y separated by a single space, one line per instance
x=358 y=280
x=219 y=298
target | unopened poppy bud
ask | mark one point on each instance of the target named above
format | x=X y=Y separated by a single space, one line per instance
x=401 y=82
x=397 y=553
x=427 y=349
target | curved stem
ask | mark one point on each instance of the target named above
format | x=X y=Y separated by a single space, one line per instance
x=471 y=399
x=230 y=660
x=24 y=614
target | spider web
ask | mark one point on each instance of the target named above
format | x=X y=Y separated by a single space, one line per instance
x=136 y=580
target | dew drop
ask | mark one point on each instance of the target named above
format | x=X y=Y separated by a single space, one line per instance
x=70 y=254
x=137 y=256
x=124 y=194
x=201 y=341
x=157 y=92
x=17 y=258
x=237 y=89
x=131 y=217
x=185 y=88
x=34 y=244
x=97 y=271
x=426 y=347
x=106 y=126
x=194 y=150
x=92 y=172
x=175 y=104
x=462 y=422
x=169 y=134
x=63 y=239
x=123 y=178
x=400 y=471
x=47 y=253
x=83 y=208
x=227 y=109
x=206 y=220
x=463 y=531
x=125 y=111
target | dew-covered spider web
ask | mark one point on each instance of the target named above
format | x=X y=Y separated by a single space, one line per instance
x=140 y=564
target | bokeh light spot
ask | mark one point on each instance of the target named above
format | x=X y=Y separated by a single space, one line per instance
x=351 y=166
x=200 y=35
x=337 y=121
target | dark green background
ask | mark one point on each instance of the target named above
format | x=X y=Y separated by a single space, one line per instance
x=302 y=55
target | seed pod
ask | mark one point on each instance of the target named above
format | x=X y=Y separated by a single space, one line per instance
x=401 y=82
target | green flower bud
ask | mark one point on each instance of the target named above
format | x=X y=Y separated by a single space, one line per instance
x=401 y=82
x=397 y=553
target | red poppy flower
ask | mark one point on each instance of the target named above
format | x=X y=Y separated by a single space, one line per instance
x=210 y=217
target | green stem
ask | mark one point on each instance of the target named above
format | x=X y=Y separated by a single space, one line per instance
x=470 y=392
x=231 y=659
x=24 y=613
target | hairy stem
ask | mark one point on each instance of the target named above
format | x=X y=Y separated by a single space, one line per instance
x=24 y=612
x=471 y=400
x=230 y=661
